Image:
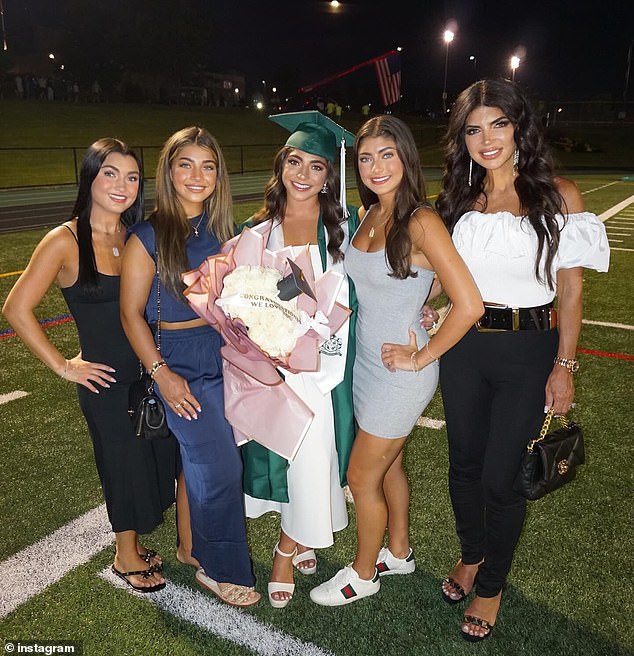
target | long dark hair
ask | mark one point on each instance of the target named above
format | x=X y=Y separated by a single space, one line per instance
x=275 y=202
x=168 y=218
x=90 y=167
x=540 y=201
x=409 y=196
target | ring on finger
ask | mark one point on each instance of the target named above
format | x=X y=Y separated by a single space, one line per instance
x=177 y=405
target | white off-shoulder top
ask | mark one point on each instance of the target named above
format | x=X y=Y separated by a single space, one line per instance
x=499 y=249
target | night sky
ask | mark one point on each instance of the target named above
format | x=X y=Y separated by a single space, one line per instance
x=570 y=52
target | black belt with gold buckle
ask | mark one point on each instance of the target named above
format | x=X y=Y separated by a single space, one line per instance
x=501 y=317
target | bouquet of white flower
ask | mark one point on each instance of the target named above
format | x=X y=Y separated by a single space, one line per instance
x=237 y=292
x=250 y=293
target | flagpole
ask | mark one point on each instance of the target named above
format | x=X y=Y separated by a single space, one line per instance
x=336 y=76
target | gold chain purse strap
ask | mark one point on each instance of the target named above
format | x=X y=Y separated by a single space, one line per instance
x=563 y=420
x=158 y=318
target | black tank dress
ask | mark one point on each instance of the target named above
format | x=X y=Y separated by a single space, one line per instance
x=137 y=476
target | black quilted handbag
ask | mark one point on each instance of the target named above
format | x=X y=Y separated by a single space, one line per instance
x=147 y=410
x=550 y=460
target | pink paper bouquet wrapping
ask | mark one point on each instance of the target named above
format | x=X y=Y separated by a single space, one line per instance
x=258 y=403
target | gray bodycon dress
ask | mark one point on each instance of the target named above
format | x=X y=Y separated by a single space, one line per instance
x=388 y=404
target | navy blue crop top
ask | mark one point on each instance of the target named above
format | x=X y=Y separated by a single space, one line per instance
x=198 y=249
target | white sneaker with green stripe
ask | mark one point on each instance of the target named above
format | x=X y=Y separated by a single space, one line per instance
x=345 y=587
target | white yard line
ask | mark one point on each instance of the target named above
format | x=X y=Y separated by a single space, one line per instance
x=32 y=570
x=238 y=626
x=629 y=250
x=609 y=184
x=616 y=209
x=12 y=396
x=607 y=324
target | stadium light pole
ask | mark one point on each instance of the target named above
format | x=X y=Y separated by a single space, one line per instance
x=515 y=62
x=448 y=37
x=4 y=33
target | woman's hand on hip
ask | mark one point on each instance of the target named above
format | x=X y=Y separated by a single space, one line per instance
x=399 y=356
x=88 y=374
x=560 y=390
x=176 y=393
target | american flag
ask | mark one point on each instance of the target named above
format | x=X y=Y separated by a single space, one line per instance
x=388 y=73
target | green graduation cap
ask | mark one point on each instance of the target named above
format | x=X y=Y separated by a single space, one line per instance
x=315 y=133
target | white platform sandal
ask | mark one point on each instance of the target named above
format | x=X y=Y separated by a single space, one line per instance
x=277 y=586
x=303 y=557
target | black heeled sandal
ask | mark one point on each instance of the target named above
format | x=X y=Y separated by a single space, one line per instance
x=478 y=621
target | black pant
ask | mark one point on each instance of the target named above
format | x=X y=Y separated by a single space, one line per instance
x=493 y=393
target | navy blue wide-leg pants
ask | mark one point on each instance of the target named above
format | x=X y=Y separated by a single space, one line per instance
x=211 y=460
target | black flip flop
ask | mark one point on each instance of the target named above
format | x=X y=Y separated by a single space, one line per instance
x=144 y=573
x=148 y=555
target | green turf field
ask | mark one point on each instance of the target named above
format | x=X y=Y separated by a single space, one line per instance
x=569 y=590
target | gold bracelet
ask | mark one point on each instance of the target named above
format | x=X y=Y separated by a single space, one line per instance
x=433 y=359
x=412 y=359
x=156 y=366
x=568 y=363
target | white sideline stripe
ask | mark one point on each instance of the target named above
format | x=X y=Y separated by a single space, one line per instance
x=616 y=241
x=629 y=250
x=221 y=620
x=609 y=184
x=619 y=234
x=616 y=209
x=426 y=422
x=607 y=324
x=33 y=569
x=12 y=396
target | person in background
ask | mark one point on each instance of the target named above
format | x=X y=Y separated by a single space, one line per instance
x=302 y=206
x=526 y=238
x=391 y=260
x=191 y=218
x=83 y=255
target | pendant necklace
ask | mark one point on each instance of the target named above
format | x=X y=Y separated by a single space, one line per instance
x=115 y=250
x=371 y=233
x=203 y=215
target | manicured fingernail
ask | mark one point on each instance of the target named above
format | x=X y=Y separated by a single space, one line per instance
x=106 y=385
x=96 y=391
x=546 y=408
